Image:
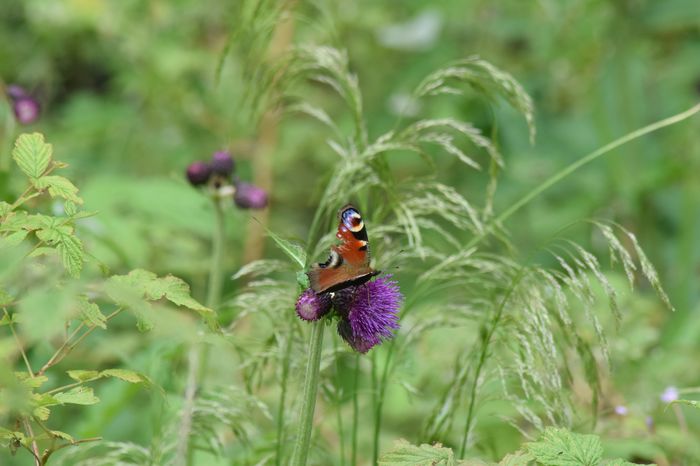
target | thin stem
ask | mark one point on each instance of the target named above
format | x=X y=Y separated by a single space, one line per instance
x=198 y=356
x=286 y=361
x=557 y=177
x=380 y=399
x=483 y=356
x=355 y=409
x=339 y=401
x=375 y=405
x=217 y=256
x=35 y=448
x=19 y=344
x=313 y=365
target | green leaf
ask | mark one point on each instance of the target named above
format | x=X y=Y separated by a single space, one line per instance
x=13 y=239
x=58 y=186
x=126 y=375
x=63 y=435
x=621 y=462
x=41 y=402
x=559 y=447
x=405 y=454
x=29 y=381
x=291 y=249
x=71 y=250
x=77 y=396
x=90 y=313
x=70 y=208
x=693 y=403
x=32 y=154
x=83 y=376
x=519 y=458
x=5 y=298
x=5 y=208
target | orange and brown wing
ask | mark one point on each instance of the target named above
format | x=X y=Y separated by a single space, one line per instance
x=348 y=263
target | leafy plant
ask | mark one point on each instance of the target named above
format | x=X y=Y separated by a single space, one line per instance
x=63 y=310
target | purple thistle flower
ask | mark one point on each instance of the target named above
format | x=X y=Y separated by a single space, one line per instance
x=15 y=92
x=26 y=109
x=621 y=410
x=222 y=163
x=313 y=306
x=198 y=173
x=368 y=312
x=249 y=196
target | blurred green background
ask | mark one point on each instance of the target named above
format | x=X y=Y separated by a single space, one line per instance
x=130 y=97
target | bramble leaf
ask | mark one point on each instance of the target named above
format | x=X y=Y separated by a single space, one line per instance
x=519 y=458
x=405 y=454
x=693 y=403
x=126 y=375
x=32 y=154
x=83 y=376
x=77 y=396
x=90 y=313
x=559 y=447
x=5 y=208
x=58 y=186
x=13 y=239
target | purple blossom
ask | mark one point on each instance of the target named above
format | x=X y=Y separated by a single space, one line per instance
x=312 y=305
x=222 y=163
x=249 y=196
x=621 y=410
x=198 y=173
x=15 y=92
x=368 y=312
x=670 y=394
x=26 y=110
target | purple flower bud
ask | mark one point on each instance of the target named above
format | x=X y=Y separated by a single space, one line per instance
x=15 y=92
x=670 y=394
x=222 y=163
x=313 y=306
x=198 y=173
x=26 y=109
x=249 y=196
x=368 y=312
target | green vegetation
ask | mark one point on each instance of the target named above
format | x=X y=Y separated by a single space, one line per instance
x=528 y=172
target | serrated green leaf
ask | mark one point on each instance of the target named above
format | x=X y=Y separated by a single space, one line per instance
x=29 y=381
x=177 y=292
x=41 y=402
x=90 y=313
x=71 y=250
x=519 y=458
x=83 y=376
x=58 y=186
x=63 y=435
x=70 y=208
x=126 y=375
x=559 y=447
x=291 y=249
x=5 y=298
x=405 y=454
x=5 y=208
x=621 y=462
x=11 y=434
x=77 y=396
x=13 y=239
x=38 y=252
x=32 y=154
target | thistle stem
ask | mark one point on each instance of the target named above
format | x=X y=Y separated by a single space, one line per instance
x=283 y=393
x=355 y=409
x=313 y=365
x=198 y=356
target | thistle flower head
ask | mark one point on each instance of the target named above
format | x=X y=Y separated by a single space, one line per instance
x=222 y=163
x=198 y=173
x=249 y=196
x=313 y=306
x=368 y=313
x=26 y=110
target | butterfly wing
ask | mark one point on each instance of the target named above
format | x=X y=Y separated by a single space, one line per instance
x=348 y=263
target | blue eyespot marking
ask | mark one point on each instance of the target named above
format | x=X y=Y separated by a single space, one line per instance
x=351 y=218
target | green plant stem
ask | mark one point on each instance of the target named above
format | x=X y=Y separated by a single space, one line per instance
x=377 y=412
x=313 y=365
x=585 y=160
x=355 y=409
x=198 y=355
x=483 y=356
x=283 y=391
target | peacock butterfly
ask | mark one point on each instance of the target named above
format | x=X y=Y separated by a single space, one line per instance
x=348 y=263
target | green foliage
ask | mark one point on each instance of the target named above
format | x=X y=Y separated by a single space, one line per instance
x=405 y=454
